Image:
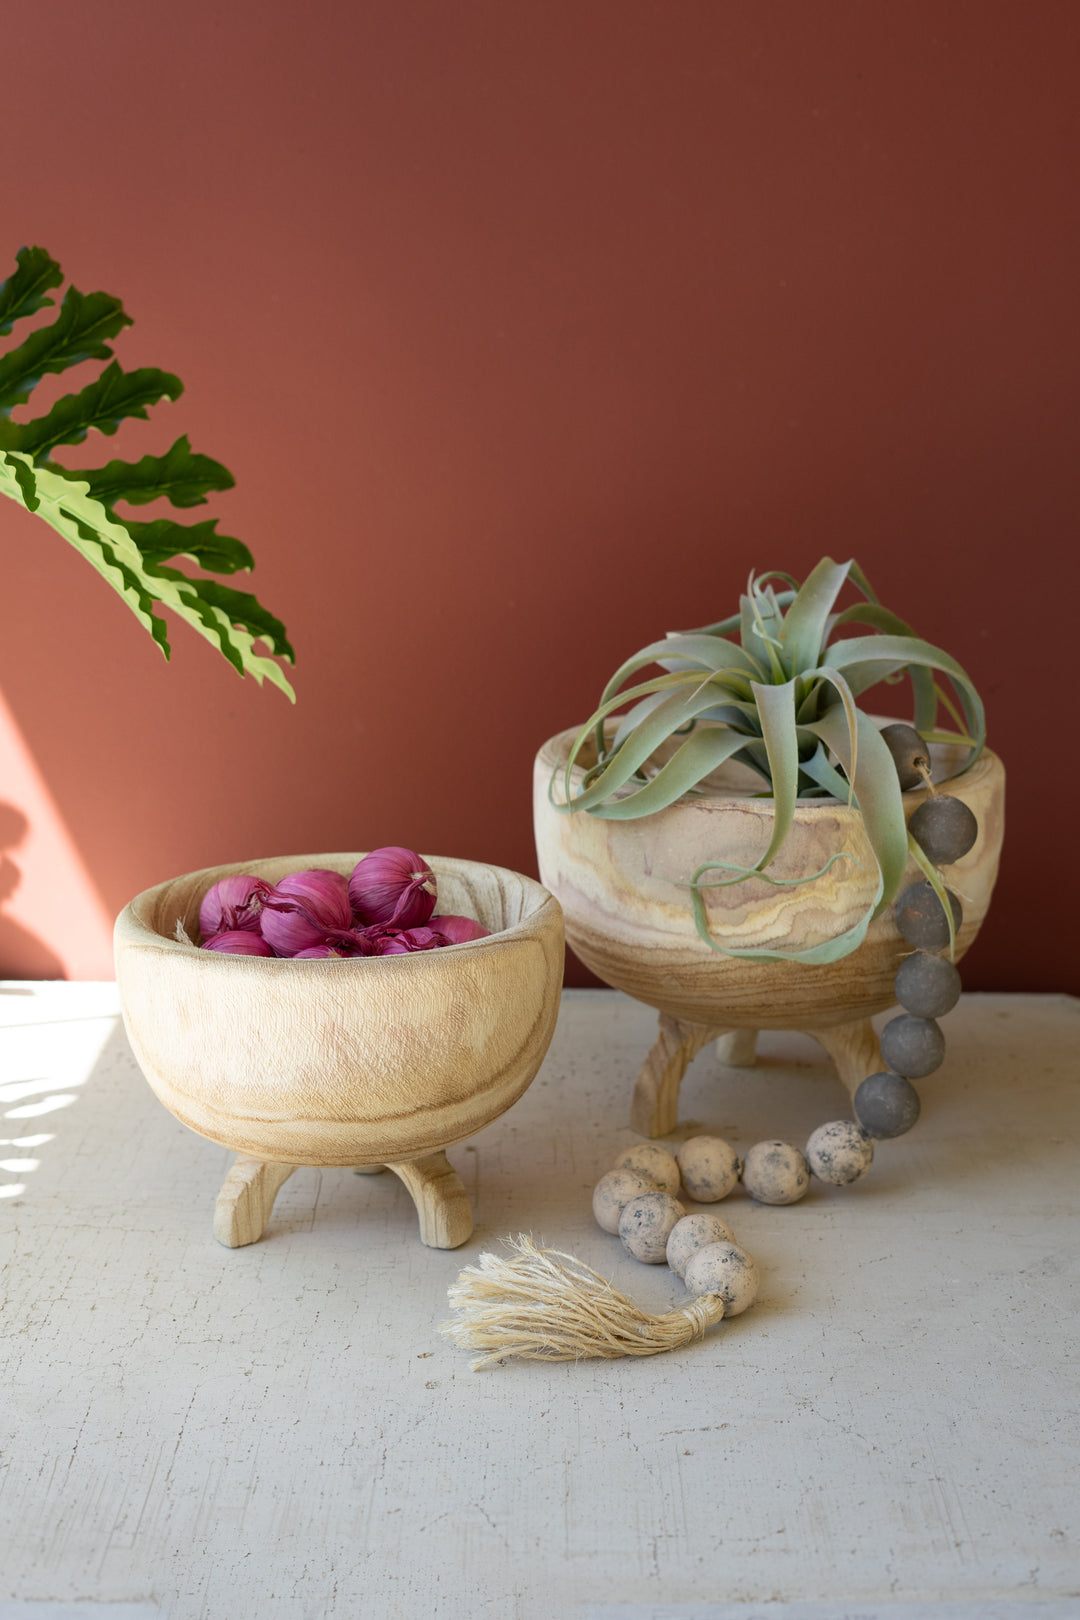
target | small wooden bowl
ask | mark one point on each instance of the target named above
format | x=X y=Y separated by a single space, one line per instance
x=623 y=888
x=364 y=1062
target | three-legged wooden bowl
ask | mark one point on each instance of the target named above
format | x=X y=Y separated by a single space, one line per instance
x=363 y=1062
x=623 y=889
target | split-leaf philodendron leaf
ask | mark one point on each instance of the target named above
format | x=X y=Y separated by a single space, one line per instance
x=782 y=700
x=136 y=558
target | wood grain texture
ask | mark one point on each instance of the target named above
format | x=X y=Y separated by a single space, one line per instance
x=246 y=1200
x=628 y=915
x=654 y=1107
x=343 y=1061
x=441 y=1200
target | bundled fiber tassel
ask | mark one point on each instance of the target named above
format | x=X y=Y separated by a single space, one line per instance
x=544 y=1305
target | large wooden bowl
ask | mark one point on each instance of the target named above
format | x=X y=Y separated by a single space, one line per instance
x=628 y=916
x=359 y=1061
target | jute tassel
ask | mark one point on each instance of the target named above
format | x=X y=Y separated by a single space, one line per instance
x=533 y=1306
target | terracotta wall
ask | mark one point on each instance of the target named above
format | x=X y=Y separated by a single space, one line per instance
x=527 y=330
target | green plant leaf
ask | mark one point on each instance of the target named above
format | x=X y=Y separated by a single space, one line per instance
x=701 y=753
x=776 y=706
x=232 y=608
x=78 y=333
x=876 y=787
x=675 y=653
x=24 y=293
x=909 y=650
x=179 y=476
x=69 y=508
x=922 y=681
x=103 y=405
x=803 y=632
x=164 y=538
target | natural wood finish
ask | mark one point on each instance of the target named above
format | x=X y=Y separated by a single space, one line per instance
x=738 y=1048
x=628 y=915
x=361 y=1062
x=654 y=1109
x=441 y=1200
x=853 y=1048
x=246 y=1199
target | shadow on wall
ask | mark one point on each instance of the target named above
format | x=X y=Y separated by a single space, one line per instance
x=22 y=954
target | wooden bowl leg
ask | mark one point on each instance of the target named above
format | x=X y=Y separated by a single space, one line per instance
x=441 y=1200
x=738 y=1048
x=853 y=1048
x=246 y=1199
x=654 y=1110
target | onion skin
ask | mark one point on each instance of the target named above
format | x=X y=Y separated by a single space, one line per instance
x=238 y=942
x=232 y=903
x=393 y=887
x=459 y=930
x=404 y=941
x=304 y=909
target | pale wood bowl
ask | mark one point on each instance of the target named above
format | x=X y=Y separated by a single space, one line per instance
x=366 y=1062
x=628 y=916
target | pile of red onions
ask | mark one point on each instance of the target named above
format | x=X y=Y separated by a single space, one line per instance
x=386 y=908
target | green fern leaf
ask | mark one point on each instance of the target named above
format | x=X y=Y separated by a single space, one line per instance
x=164 y=538
x=78 y=333
x=24 y=293
x=238 y=608
x=103 y=404
x=179 y=476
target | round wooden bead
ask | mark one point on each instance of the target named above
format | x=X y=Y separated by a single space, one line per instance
x=614 y=1191
x=920 y=917
x=775 y=1173
x=944 y=828
x=928 y=986
x=652 y=1161
x=710 y=1168
x=909 y=751
x=886 y=1104
x=840 y=1152
x=911 y=1046
x=692 y=1233
x=645 y=1226
x=724 y=1269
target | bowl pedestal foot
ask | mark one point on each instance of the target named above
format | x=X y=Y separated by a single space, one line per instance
x=654 y=1109
x=246 y=1200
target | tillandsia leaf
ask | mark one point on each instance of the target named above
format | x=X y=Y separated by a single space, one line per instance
x=876 y=788
x=933 y=877
x=103 y=404
x=719 y=684
x=164 y=538
x=834 y=679
x=742 y=873
x=734 y=621
x=69 y=509
x=692 y=652
x=26 y=291
x=871 y=613
x=912 y=652
x=179 y=476
x=803 y=632
x=701 y=753
x=830 y=950
x=78 y=333
x=776 y=706
x=827 y=777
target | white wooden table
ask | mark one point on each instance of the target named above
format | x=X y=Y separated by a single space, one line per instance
x=279 y=1431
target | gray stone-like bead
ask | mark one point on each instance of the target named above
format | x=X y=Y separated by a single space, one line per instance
x=724 y=1269
x=944 y=828
x=920 y=917
x=775 y=1173
x=911 y=1046
x=692 y=1233
x=906 y=747
x=887 y=1105
x=614 y=1191
x=645 y=1226
x=651 y=1160
x=839 y=1152
x=710 y=1168
x=928 y=986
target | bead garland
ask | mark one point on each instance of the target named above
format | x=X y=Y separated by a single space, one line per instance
x=637 y=1199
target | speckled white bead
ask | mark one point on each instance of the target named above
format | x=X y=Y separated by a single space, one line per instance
x=654 y=1162
x=775 y=1173
x=710 y=1168
x=840 y=1152
x=692 y=1233
x=724 y=1269
x=646 y=1223
x=614 y=1191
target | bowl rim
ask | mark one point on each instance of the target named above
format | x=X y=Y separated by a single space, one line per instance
x=131 y=926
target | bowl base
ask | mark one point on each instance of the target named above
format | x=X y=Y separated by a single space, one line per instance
x=246 y=1200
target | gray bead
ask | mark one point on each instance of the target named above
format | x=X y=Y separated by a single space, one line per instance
x=944 y=828
x=912 y=1046
x=920 y=917
x=908 y=751
x=886 y=1105
x=928 y=986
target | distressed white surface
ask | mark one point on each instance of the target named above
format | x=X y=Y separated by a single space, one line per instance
x=280 y=1431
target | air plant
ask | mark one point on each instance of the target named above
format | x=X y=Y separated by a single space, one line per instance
x=775 y=687
x=136 y=558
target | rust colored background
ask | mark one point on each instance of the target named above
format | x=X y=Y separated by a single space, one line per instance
x=527 y=331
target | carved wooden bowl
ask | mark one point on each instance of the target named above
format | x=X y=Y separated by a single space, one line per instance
x=367 y=1062
x=622 y=886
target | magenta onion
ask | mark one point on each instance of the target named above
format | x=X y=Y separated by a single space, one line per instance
x=458 y=930
x=304 y=908
x=233 y=902
x=393 y=886
x=402 y=941
x=238 y=942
